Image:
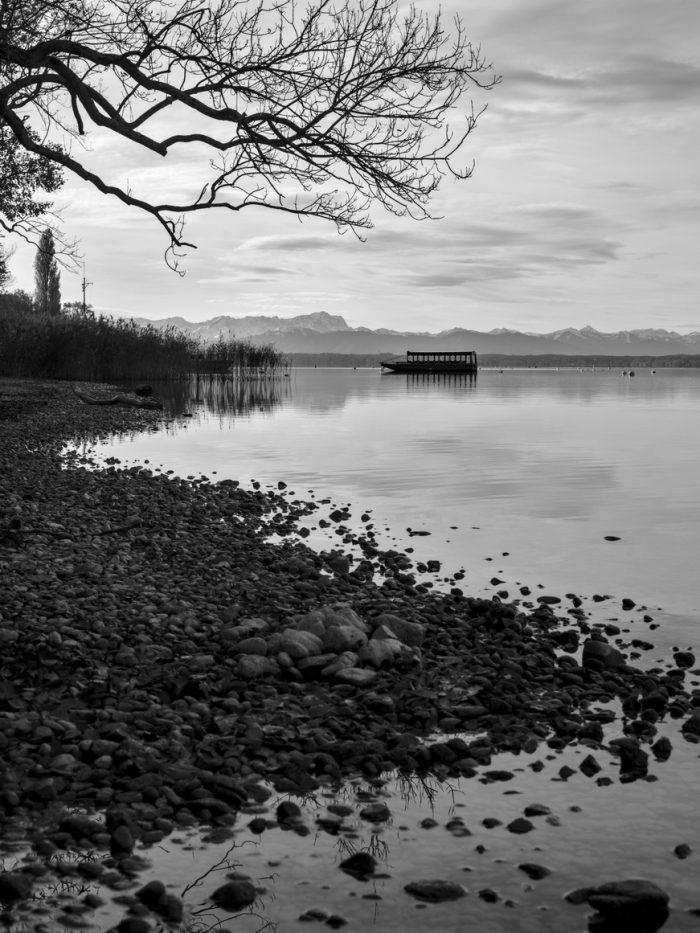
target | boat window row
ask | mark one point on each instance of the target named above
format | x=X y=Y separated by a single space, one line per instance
x=441 y=357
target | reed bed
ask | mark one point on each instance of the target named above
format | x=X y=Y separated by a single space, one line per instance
x=239 y=357
x=102 y=349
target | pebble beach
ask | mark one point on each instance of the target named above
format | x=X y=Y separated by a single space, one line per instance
x=166 y=666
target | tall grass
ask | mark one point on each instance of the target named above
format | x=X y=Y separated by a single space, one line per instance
x=101 y=349
x=239 y=357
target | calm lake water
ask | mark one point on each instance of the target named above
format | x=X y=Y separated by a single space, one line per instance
x=519 y=476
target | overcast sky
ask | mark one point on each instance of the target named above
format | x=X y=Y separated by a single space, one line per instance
x=584 y=207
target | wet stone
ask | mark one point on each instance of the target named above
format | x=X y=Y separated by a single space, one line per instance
x=589 y=766
x=234 y=895
x=375 y=812
x=361 y=864
x=537 y=809
x=14 y=886
x=534 y=871
x=682 y=850
x=435 y=891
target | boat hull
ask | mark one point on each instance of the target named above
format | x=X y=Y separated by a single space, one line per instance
x=457 y=369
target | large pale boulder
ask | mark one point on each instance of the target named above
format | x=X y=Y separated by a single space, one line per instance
x=341 y=638
x=312 y=622
x=342 y=614
x=380 y=652
x=410 y=633
x=298 y=644
x=320 y=621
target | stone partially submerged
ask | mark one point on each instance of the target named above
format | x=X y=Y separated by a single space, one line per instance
x=435 y=891
x=630 y=906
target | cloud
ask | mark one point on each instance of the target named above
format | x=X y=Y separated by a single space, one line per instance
x=250 y=273
x=289 y=242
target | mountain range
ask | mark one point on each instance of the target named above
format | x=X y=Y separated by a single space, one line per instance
x=321 y=332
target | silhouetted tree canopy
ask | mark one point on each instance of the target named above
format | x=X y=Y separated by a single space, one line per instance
x=320 y=112
x=4 y=271
x=23 y=175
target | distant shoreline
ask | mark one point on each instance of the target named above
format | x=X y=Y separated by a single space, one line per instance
x=488 y=360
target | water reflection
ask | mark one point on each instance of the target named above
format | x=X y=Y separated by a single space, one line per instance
x=539 y=465
x=227 y=396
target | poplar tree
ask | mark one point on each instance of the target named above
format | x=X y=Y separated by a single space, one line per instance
x=47 y=278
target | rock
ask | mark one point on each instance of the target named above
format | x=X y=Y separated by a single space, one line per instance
x=537 y=809
x=254 y=645
x=339 y=638
x=519 y=826
x=603 y=653
x=684 y=659
x=252 y=666
x=360 y=864
x=589 y=766
x=662 y=748
x=288 y=812
x=80 y=826
x=410 y=633
x=151 y=894
x=489 y=895
x=313 y=622
x=469 y=711
x=628 y=604
x=317 y=663
x=380 y=652
x=535 y=871
x=14 y=886
x=340 y=662
x=299 y=644
x=133 y=925
x=234 y=895
x=314 y=913
x=357 y=676
x=375 y=812
x=692 y=725
x=435 y=891
x=121 y=842
x=634 y=761
x=171 y=908
x=682 y=850
x=632 y=905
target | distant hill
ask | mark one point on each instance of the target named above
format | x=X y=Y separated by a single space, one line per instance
x=320 y=333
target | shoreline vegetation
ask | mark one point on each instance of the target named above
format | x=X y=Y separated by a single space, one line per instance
x=163 y=663
x=102 y=349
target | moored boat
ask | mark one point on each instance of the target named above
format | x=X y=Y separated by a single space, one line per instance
x=453 y=361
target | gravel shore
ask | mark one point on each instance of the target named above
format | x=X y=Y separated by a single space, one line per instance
x=160 y=659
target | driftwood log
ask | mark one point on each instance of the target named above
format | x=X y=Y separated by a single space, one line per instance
x=13 y=532
x=133 y=401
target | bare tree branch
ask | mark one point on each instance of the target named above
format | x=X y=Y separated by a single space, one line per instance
x=319 y=113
